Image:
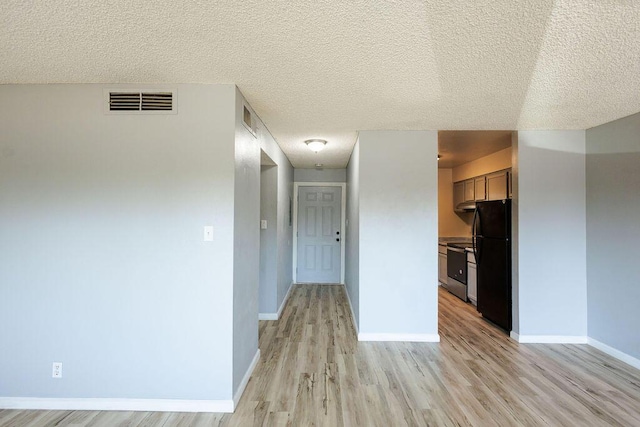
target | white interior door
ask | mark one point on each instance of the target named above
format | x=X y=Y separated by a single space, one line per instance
x=319 y=234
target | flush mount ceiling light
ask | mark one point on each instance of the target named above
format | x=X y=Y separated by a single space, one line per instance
x=316 y=144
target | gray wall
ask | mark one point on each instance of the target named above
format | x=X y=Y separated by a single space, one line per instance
x=284 y=227
x=102 y=261
x=352 y=243
x=246 y=246
x=398 y=232
x=552 y=291
x=515 y=241
x=320 y=175
x=268 y=289
x=613 y=233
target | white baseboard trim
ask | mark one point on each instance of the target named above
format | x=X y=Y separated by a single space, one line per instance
x=399 y=337
x=267 y=316
x=276 y=316
x=284 y=301
x=99 y=404
x=245 y=379
x=626 y=358
x=353 y=314
x=548 y=339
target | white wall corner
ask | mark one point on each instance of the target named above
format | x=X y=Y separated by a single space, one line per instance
x=97 y=404
x=399 y=337
x=353 y=315
x=624 y=357
x=276 y=316
x=245 y=380
x=284 y=301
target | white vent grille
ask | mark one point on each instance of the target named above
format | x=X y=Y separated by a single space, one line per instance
x=156 y=102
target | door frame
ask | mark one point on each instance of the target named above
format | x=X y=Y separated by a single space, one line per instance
x=343 y=220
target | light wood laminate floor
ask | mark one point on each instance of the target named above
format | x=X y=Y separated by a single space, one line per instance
x=314 y=372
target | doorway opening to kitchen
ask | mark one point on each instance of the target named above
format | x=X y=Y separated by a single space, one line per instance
x=475 y=187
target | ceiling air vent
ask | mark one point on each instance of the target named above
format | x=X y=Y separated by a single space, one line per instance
x=124 y=101
x=141 y=102
x=247 y=120
x=158 y=101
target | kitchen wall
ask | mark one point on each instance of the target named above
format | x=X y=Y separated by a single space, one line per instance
x=398 y=235
x=450 y=223
x=458 y=224
x=493 y=162
x=551 y=248
x=613 y=233
x=352 y=244
x=320 y=175
x=515 y=235
x=102 y=261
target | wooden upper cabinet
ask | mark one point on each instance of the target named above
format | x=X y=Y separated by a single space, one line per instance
x=497 y=186
x=480 y=188
x=469 y=191
x=458 y=193
x=493 y=186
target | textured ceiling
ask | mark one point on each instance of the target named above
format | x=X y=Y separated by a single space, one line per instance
x=319 y=68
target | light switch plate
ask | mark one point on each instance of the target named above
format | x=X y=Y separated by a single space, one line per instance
x=208 y=233
x=263 y=224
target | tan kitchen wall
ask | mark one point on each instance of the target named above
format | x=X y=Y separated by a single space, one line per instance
x=450 y=223
x=493 y=162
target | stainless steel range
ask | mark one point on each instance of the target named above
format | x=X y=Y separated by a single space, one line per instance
x=457 y=269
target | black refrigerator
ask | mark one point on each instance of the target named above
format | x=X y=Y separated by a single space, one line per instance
x=492 y=249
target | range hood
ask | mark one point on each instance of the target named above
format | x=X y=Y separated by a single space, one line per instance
x=465 y=207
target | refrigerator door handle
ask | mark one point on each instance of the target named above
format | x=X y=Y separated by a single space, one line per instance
x=473 y=233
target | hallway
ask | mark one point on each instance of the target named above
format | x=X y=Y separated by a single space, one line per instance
x=314 y=372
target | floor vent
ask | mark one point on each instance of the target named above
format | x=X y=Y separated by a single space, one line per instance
x=127 y=102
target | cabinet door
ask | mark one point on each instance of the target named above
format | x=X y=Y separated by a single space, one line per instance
x=469 y=191
x=480 y=187
x=472 y=284
x=497 y=186
x=458 y=193
x=442 y=268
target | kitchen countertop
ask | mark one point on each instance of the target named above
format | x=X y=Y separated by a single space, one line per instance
x=445 y=240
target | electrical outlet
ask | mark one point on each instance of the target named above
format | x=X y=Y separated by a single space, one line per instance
x=57 y=370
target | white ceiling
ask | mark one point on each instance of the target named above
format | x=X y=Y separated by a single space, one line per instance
x=327 y=68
